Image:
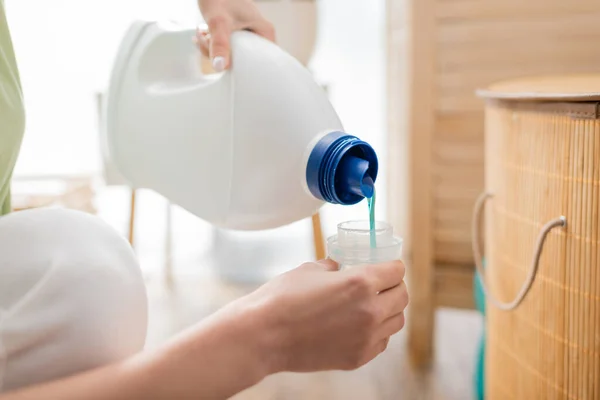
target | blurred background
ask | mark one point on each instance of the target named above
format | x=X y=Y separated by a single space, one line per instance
x=65 y=50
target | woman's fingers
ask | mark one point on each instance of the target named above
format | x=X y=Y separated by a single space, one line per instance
x=201 y=40
x=225 y=17
x=392 y=301
x=220 y=29
x=328 y=264
x=391 y=326
x=382 y=276
x=376 y=350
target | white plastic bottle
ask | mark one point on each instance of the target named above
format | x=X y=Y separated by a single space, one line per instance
x=352 y=246
x=256 y=147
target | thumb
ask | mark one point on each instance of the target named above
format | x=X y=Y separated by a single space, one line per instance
x=220 y=31
x=328 y=264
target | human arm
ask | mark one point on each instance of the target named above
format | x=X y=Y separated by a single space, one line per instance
x=308 y=319
x=215 y=360
x=224 y=17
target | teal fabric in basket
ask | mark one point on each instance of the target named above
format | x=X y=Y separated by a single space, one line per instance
x=479 y=378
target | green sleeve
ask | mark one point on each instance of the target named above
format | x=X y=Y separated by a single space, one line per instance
x=12 y=115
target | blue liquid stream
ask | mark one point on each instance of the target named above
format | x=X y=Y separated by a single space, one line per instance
x=371 y=204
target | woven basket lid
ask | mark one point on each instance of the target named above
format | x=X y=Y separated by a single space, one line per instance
x=580 y=87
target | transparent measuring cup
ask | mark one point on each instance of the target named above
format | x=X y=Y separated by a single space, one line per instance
x=351 y=246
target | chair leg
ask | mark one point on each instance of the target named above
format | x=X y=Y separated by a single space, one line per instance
x=132 y=217
x=421 y=314
x=319 y=243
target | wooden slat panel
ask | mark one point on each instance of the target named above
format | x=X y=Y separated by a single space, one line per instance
x=470 y=9
x=449 y=224
x=454 y=287
x=454 y=253
x=462 y=98
x=457 y=86
x=456 y=201
x=463 y=204
x=452 y=299
x=468 y=56
x=448 y=217
x=454 y=191
x=482 y=78
x=454 y=250
x=445 y=191
x=460 y=154
x=467 y=126
x=505 y=33
x=445 y=223
x=460 y=187
x=452 y=103
x=453 y=235
x=458 y=177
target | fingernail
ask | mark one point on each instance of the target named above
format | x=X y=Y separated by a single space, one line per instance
x=218 y=63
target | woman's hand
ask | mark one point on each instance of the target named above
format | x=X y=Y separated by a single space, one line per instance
x=309 y=319
x=224 y=17
x=318 y=318
x=312 y=318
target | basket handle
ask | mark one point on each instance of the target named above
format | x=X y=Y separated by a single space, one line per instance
x=481 y=200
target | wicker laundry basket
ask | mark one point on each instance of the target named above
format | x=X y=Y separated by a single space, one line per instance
x=542 y=232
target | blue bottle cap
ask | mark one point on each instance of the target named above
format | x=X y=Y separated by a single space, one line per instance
x=341 y=169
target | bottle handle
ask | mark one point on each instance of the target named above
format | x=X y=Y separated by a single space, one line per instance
x=169 y=60
x=508 y=306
